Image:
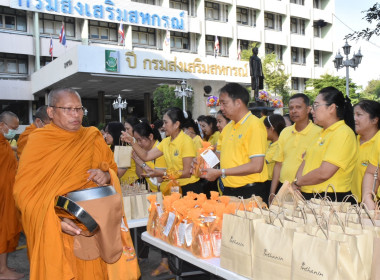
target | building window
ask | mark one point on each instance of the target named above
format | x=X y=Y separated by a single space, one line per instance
x=13 y=63
x=106 y=31
x=299 y=2
x=295 y=85
x=269 y=48
x=210 y=43
x=45 y=60
x=244 y=44
x=179 y=40
x=273 y=21
x=317 y=4
x=298 y=56
x=297 y=26
x=317 y=31
x=12 y=19
x=179 y=4
x=51 y=25
x=276 y=49
x=143 y=36
x=246 y=16
x=150 y=2
x=212 y=11
x=318 y=58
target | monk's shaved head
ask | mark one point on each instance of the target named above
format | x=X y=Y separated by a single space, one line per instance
x=42 y=114
x=7 y=115
x=55 y=95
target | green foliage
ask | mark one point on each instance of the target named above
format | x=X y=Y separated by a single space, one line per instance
x=164 y=98
x=372 y=91
x=371 y=15
x=246 y=54
x=313 y=86
x=276 y=79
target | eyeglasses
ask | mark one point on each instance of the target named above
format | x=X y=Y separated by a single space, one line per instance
x=315 y=106
x=68 y=110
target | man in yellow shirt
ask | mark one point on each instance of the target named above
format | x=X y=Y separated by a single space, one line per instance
x=293 y=141
x=241 y=147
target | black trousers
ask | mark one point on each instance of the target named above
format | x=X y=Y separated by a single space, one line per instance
x=197 y=187
x=339 y=195
x=258 y=189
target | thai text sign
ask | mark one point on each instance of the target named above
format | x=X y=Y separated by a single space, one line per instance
x=118 y=11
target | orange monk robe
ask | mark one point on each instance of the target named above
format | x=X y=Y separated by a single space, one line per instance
x=23 y=138
x=45 y=171
x=10 y=226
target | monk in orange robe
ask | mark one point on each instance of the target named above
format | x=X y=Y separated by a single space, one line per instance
x=64 y=157
x=10 y=226
x=40 y=119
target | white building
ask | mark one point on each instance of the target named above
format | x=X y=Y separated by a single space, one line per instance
x=300 y=32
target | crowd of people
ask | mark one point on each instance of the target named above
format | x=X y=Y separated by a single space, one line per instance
x=327 y=146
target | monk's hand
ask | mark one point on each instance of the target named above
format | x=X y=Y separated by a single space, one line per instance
x=211 y=174
x=69 y=227
x=126 y=137
x=99 y=177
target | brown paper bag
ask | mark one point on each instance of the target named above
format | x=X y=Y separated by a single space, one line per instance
x=122 y=156
x=127 y=207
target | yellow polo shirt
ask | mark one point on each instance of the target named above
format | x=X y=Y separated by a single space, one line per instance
x=364 y=153
x=374 y=157
x=238 y=144
x=198 y=142
x=130 y=173
x=269 y=158
x=214 y=138
x=292 y=144
x=174 y=151
x=262 y=118
x=336 y=145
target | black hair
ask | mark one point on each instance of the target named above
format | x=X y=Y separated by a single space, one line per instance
x=211 y=121
x=189 y=115
x=264 y=112
x=114 y=129
x=221 y=113
x=201 y=118
x=191 y=123
x=305 y=98
x=158 y=124
x=372 y=108
x=277 y=121
x=175 y=114
x=344 y=110
x=236 y=91
x=144 y=130
x=132 y=121
x=288 y=116
x=144 y=119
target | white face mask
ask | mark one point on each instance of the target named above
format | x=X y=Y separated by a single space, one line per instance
x=11 y=134
x=163 y=134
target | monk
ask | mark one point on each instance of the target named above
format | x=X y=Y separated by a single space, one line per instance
x=40 y=119
x=10 y=227
x=64 y=157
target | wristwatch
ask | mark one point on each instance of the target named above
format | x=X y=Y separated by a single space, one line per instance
x=295 y=182
x=223 y=173
x=143 y=165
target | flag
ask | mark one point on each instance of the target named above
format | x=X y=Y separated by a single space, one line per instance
x=51 y=47
x=166 y=46
x=122 y=35
x=62 y=36
x=239 y=51
x=216 y=46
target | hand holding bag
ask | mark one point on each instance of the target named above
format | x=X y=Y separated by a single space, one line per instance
x=122 y=155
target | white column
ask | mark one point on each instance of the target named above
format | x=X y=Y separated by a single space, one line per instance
x=84 y=33
x=202 y=38
x=36 y=25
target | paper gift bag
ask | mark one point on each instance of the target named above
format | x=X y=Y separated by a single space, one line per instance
x=237 y=240
x=127 y=207
x=139 y=207
x=122 y=156
x=375 y=269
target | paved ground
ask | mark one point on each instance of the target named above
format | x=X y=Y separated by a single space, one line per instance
x=19 y=261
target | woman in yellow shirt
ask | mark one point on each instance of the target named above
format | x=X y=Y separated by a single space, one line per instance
x=191 y=129
x=210 y=130
x=221 y=121
x=274 y=125
x=332 y=158
x=367 y=125
x=130 y=174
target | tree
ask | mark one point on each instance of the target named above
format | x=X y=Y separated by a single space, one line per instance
x=372 y=15
x=372 y=91
x=164 y=98
x=314 y=86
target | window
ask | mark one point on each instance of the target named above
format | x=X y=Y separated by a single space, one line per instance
x=269 y=48
x=299 y=2
x=13 y=63
x=246 y=16
x=210 y=43
x=276 y=49
x=12 y=19
x=45 y=60
x=143 y=36
x=295 y=85
x=244 y=44
x=179 y=40
x=317 y=4
x=212 y=11
x=150 y=2
x=317 y=31
x=179 y=4
x=317 y=58
x=298 y=56
x=106 y=31
x=297 y=26
x=273 y=21
x=51 y=25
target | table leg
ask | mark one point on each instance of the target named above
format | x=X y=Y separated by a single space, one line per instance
x=135 y=241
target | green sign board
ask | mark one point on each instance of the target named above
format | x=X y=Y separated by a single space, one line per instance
x=112 y=61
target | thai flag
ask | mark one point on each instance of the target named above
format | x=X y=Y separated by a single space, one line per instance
x=216 y=46
x=121 y=32
x=51 y=47
x=167 y=38
x=62 y=36
x=239 y=51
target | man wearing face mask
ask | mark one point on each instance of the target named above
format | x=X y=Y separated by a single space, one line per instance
x=10 y=226
x=40 y=119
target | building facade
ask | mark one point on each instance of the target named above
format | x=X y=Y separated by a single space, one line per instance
x=166 y=41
